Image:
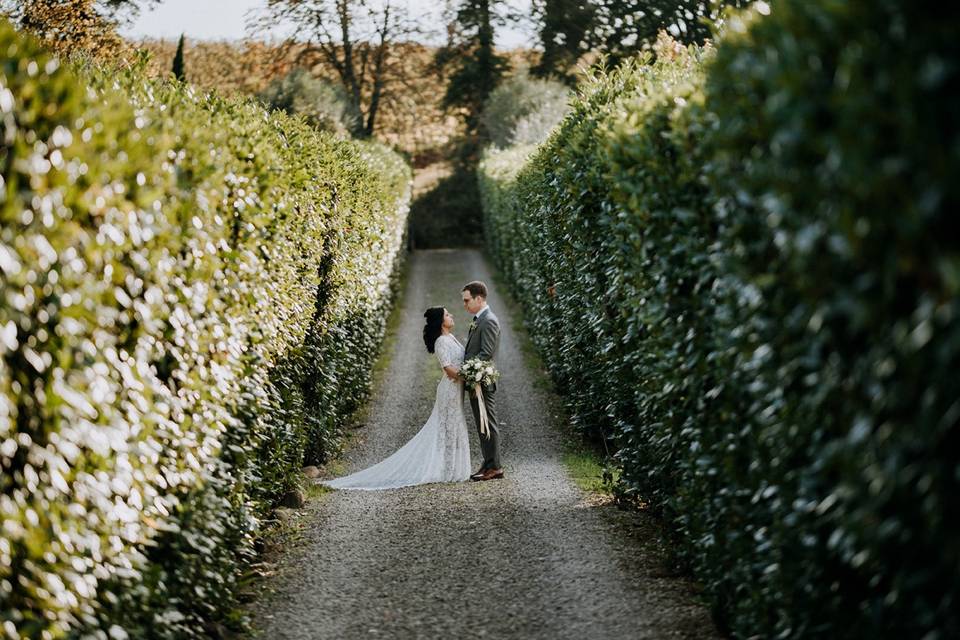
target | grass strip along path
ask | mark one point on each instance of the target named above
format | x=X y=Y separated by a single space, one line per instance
x=522 y=557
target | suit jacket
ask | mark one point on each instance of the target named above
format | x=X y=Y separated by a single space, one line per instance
x=484 y=341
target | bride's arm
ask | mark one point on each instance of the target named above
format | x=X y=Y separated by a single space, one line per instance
x=452 y=372
x=446 y=357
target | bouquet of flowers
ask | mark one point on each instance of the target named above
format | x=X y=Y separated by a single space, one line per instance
x=476 y=372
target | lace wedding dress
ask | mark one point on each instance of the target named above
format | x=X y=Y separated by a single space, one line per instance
x=440 y=452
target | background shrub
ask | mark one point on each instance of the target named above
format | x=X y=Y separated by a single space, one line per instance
x=323 y=104
x=742 y=269
x=523 y=110
x=193 y=290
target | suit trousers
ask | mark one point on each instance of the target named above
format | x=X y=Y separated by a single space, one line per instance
x=489 y=447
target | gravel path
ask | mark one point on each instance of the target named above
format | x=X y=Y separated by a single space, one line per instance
x=523 y=557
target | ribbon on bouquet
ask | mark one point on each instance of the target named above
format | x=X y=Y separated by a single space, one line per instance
x=484 y=428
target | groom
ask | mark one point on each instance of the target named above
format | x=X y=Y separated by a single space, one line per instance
x=483 y=342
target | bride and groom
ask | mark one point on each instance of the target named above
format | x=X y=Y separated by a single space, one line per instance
x=440 y=451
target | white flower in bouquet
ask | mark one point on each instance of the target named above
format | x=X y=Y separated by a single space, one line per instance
x=478 y=372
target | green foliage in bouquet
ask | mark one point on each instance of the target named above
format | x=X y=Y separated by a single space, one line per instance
x=741 y=268
x=193 y=290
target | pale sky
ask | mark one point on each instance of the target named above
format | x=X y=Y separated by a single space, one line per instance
x=226 y=20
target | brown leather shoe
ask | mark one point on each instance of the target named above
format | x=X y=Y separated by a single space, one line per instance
x=492 y=474
x=478 y=475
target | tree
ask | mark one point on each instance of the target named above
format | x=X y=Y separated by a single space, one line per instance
x=564 y=25
x=178 y=70
x=113 y=9
x=618 y=28
x=621 y=28
x=351 y=38
x=67 y=26
x=477 y=68
x=125 y=9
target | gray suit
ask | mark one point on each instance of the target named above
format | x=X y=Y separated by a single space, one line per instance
x=483 y=343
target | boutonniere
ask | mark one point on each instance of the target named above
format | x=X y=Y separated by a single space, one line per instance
x=473 y=325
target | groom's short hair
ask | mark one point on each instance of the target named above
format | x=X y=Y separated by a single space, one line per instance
x=476 y=288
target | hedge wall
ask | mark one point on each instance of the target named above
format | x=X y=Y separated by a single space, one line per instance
x=740 y=267
x=193 y=291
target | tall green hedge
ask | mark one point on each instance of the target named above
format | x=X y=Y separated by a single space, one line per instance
x=741 y=267
x=193 y=290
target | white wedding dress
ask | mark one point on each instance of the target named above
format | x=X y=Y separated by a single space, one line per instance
x=440 y=452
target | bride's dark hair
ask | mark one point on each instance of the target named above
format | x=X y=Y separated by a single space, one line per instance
x=434 y=326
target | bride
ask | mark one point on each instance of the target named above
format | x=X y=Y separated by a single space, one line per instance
x=440 y=452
